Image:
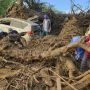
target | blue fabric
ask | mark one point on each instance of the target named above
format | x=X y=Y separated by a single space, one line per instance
x=75 y=39
x=78 y=51
x=46 y=16
x=13 y=31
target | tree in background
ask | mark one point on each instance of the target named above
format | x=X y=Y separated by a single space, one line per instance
x=4 y=4
x=36 y=5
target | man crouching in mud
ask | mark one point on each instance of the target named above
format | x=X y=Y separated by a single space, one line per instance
x=15 y=38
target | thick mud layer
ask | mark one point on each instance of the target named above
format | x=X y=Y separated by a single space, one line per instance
x=24 y=69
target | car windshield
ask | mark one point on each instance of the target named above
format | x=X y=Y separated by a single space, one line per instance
x=18 y=24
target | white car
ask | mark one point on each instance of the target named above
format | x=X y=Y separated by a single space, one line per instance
x=18 y=24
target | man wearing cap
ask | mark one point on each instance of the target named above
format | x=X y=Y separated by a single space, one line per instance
x=14 y=37
x=46 y=25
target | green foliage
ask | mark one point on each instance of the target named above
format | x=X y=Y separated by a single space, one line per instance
x=44 y=7
x=4 y=4
x=34 y=4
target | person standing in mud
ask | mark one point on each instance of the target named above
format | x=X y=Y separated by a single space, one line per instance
x=46 y=25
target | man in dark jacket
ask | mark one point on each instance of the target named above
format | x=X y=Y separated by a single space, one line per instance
x=15 y=37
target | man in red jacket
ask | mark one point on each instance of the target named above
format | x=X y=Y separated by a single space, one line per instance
x=85 y=55
x=85 y=60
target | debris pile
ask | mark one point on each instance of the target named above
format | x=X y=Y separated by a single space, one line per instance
x=20 y=12
x=28 y=70
x=70 y=29
x=38 y=66
x=83 y=19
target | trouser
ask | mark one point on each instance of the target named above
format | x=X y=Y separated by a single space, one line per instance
x=85 y=63
x=44 y=33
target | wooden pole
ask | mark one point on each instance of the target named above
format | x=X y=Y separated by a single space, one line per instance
x=64 y=80
x=58 y=80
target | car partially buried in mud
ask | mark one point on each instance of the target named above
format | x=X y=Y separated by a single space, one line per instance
x=19 y=25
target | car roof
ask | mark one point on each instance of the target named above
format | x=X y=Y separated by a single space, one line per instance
x=6 y=27
x=22 y=20
x=8 y=18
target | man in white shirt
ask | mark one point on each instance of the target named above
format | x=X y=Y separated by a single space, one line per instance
x=46 y=25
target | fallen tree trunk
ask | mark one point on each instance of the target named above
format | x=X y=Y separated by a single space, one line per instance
x=58 y=51
x=82 y=75
x=46 y=55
